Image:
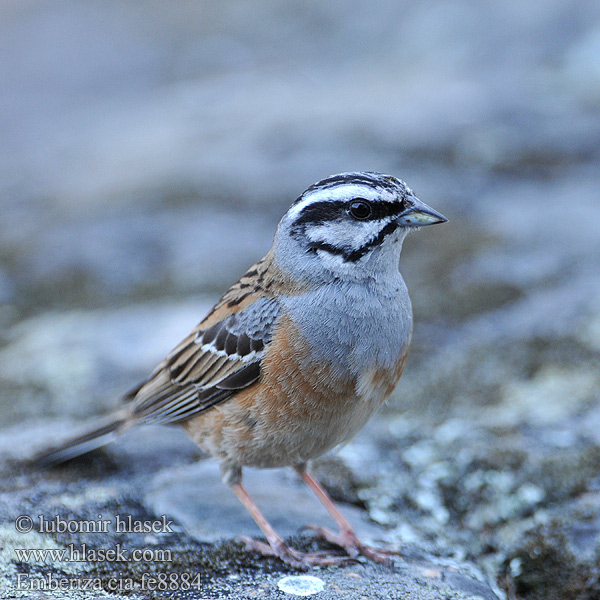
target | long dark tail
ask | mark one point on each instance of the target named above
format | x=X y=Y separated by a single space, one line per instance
x=99 y=434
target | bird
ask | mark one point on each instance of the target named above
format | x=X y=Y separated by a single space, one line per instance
x=296 y=356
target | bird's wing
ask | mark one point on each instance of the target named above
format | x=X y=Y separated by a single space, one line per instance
x=220 y=356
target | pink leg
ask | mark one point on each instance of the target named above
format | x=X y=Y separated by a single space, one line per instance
x=346 y=538
x=327 y=502
x=276 y=546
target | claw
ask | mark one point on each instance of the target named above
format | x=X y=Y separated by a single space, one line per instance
x=349 y=541
x=346 y=539
x=294 y=558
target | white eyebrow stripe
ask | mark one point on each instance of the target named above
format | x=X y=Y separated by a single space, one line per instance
x=344 y=191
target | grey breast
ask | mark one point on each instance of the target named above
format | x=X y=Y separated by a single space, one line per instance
x=353 y=326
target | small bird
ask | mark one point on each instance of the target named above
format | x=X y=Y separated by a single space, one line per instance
x=297 y=355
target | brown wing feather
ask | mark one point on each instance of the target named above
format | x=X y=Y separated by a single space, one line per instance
x=220 y=356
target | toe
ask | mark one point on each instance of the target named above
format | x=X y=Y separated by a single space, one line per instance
x=350 y=542
x=294 y=558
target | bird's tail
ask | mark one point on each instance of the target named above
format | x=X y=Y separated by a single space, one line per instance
x=101 y=433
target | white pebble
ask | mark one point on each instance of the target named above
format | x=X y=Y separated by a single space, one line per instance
x=301 y=585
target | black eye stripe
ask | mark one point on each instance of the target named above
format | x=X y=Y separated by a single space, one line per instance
x=321 y=212
x=381 y=210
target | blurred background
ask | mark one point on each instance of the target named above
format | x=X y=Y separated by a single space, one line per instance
x=148 y=150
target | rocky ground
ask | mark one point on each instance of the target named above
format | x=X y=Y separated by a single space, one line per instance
x=148 y=155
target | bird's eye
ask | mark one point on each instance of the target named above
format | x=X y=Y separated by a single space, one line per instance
x=360 y=209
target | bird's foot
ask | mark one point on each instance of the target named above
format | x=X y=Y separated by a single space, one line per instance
x=349 y=541
x=294 y=558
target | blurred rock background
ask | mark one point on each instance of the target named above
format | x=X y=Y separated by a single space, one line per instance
x=149 y=149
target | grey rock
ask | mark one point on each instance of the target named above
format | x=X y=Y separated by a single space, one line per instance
x=208 y=510
x=144 y=477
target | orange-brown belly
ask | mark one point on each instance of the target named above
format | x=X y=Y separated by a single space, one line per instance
x=296 y=411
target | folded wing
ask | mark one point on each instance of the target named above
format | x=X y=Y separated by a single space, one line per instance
x=219 y=357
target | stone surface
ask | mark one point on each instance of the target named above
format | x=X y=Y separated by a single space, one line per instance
x=208 y=511
x=103 y=502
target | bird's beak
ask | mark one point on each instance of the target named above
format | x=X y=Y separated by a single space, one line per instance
x=418 y=214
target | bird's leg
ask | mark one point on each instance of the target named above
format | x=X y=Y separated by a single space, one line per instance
x=346 y=538
x=276 y=545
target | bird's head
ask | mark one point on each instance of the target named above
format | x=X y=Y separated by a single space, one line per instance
x=349 y=226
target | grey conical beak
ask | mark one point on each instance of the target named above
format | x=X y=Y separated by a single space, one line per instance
x=418 y=214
